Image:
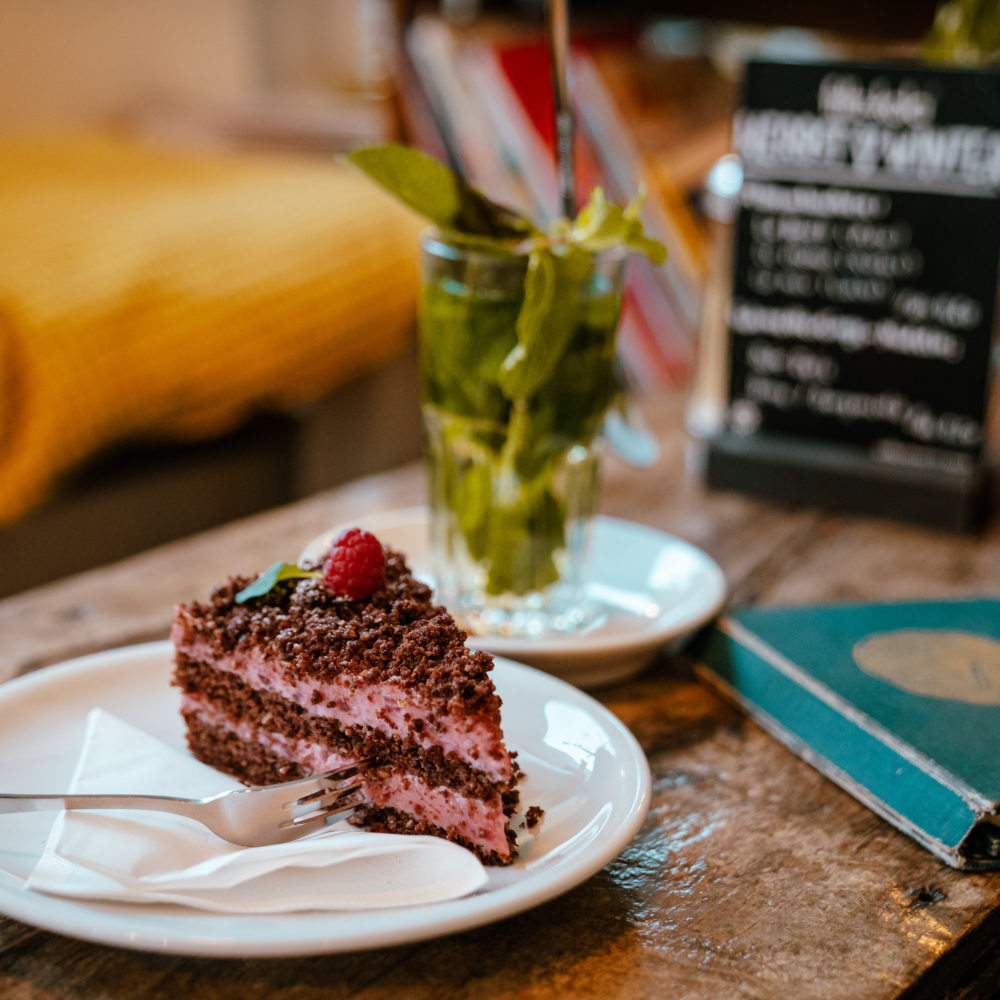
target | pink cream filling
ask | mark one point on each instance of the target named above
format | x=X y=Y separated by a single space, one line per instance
x=386 y=707
x=477 y=820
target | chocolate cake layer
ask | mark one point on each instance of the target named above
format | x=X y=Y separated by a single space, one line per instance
x=230 y=696
x=251 y=763
x=388 y=820
x=254 y=764
x=481 y=824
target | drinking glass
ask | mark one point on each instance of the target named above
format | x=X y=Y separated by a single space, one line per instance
x=513 y=482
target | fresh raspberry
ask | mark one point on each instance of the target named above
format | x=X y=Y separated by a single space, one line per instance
x=355 y=565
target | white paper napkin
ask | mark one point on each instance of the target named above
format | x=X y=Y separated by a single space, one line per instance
x=146 y=857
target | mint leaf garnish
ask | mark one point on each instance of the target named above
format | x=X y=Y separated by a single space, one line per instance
x=513 y=375
x=446 y=199
x=546 y=320
x=272 y=576
x=438 y=193
x=601 y=225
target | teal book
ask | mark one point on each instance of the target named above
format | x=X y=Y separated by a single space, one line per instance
x=899 y=704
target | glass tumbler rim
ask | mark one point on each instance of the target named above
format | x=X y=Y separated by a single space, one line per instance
x=441 y=244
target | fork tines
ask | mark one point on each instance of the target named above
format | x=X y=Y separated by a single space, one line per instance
x=335 y=795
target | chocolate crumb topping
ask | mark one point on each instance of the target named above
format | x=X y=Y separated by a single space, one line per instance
x=398 y=634
x=533 y=816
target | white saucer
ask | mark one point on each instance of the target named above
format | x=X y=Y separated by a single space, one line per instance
x=582 y=767
x=654 y=588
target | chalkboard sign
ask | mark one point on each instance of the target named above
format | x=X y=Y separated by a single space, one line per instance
x=864 y=292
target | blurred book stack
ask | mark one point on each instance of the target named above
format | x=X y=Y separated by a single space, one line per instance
x=645 y=120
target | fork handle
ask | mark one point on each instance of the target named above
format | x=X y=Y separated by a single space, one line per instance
x=40 y=803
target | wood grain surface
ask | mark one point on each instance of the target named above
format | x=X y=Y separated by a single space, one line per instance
x=752 y=877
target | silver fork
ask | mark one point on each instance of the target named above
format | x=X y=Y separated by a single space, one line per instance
x=251 y=817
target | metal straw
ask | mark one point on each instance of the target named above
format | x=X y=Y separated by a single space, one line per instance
x=559 y=59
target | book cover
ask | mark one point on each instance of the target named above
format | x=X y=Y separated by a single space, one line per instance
x=898 y=703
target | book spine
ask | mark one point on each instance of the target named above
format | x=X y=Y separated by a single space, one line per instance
x=917 y=799
x=517 y=137
x=622 y=163
x=647 y=367
x=472 y=143
x=671 y=340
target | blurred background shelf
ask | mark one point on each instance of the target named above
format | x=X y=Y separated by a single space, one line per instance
x=655 y=83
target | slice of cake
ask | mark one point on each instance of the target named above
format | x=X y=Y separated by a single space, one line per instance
x=308 y=668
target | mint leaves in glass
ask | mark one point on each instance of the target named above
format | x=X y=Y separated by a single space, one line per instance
x=517 y=352
x=512 y=404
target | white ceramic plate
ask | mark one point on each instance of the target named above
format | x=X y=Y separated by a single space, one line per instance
x=653 y=589
x=584 y=768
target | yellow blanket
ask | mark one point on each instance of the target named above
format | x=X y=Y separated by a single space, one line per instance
x=151 y=294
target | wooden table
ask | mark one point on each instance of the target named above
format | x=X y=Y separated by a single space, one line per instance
x=753 y=876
